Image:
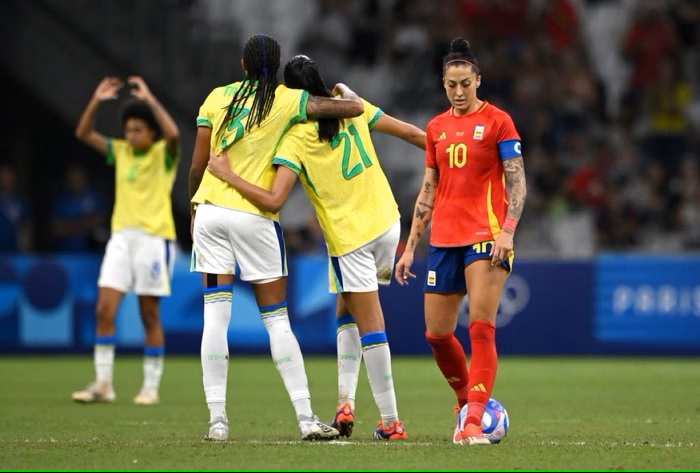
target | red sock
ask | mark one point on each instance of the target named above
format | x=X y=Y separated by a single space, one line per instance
x=450 y=358
x=483 y=368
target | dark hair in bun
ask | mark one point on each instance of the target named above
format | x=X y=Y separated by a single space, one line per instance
x=460 y=52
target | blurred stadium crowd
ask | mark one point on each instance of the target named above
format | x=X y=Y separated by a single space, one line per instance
x=605 y=94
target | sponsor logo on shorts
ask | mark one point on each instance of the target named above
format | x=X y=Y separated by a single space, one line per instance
x=431 y=278
x=155 y=270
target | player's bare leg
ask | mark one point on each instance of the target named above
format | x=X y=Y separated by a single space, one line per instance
x=153 y=351
x=101 y=389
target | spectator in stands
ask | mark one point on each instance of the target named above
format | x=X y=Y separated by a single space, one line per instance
x=668 y=101
x=650 y=38
x=559 y=21
x=587 y=184
x=78 y=214
x=15 y=214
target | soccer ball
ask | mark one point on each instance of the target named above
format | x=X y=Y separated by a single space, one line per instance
x=494 y=422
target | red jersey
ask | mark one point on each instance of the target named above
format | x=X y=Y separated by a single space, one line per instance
x=471 y=199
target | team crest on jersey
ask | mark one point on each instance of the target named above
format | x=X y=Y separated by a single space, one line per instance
x=479 y=132
x=442 y=136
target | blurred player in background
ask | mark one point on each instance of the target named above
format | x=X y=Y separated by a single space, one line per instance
x=342 y=177
x=15 y=213
x=140 y=252
x=247 y=119
x=474 y=193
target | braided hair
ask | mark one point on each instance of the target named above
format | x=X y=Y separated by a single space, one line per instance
x=460 y=52
x=261 y=57
x=303 y=73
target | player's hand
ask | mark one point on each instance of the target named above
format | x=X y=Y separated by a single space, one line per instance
x=502 y=248
x=343 y=91
x=338 y=89
x=402 y=270
x=108 y=88
x=139 y=88
x=218 y=165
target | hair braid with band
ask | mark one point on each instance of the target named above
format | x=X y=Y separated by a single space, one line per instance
x=261 y=57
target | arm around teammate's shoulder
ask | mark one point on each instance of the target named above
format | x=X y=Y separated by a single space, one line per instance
x=348 y=105
x=268 y=200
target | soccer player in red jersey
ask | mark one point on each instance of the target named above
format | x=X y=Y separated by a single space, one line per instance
x=473 y=192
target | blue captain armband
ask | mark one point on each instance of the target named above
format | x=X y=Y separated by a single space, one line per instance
x=509 y=149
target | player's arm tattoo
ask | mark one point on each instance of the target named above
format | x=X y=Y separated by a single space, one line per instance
x=313 y=105
x=515 y=184
x=423 y=209
x=325 y=107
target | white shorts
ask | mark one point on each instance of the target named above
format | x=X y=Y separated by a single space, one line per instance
x=367 y=267
x=223 y=238
x=138 y=261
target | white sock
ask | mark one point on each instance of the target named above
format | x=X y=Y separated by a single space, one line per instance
x=152 y=371
x=287 y=357
x=104 y=362
x=375 y=349
x=349 y=359
x=214 y=349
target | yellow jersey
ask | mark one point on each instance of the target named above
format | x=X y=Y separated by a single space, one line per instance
x=343 y=180
x=143 y=182
x=249 y=152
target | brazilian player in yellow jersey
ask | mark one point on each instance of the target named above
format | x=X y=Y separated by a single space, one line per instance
x=339 y=170
x=289 y=108
x=140 y=252
x=246 y=120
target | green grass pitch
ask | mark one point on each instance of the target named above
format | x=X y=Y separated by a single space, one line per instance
x=578 y=413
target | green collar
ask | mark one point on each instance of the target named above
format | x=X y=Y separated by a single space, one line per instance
x=141 y=154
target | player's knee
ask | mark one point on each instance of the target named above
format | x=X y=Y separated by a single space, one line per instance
x=436 y=340
x=277 y=324
x=482 y=331
x=105 y=312
x=150 y=318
